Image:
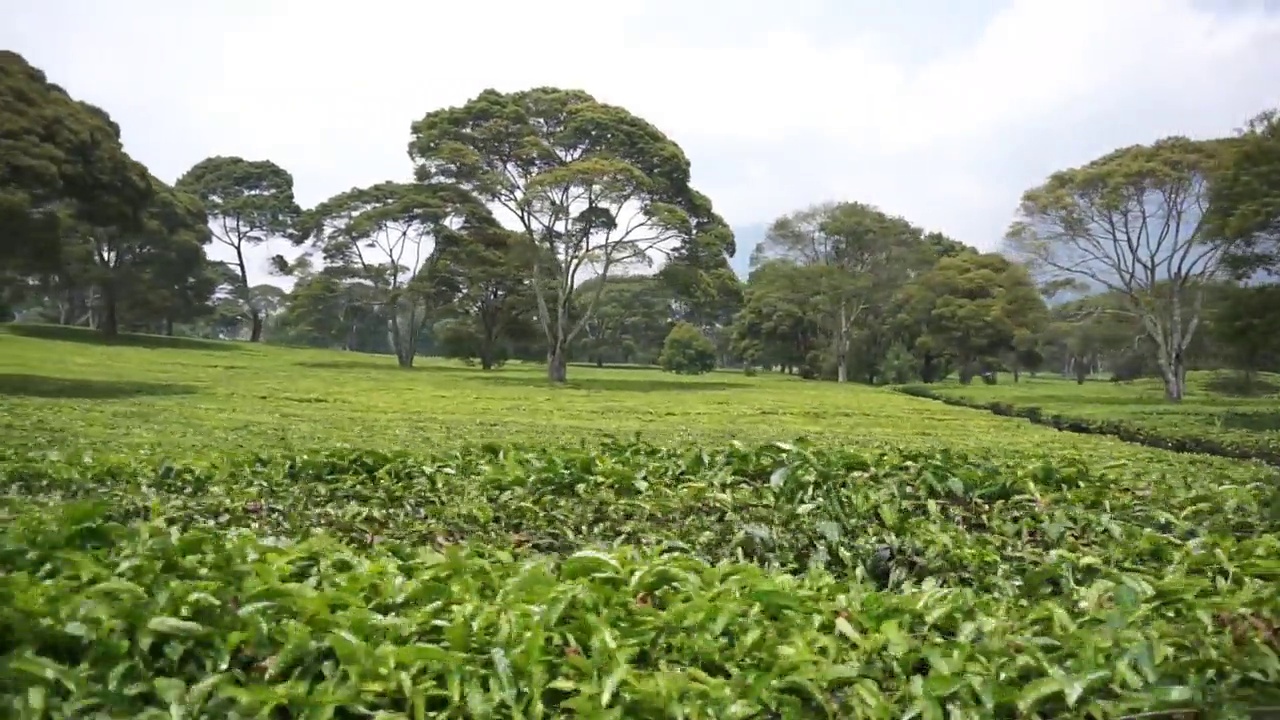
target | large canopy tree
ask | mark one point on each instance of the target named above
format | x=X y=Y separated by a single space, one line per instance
x=153 y=262
x=779 y=324
x=974 y=307
x=863 y=255
x=596 y=188
x=393 y=236
x=631 y=319
x=61 y=164
x=486 y=270
x=1132 y=222
x=248 y=202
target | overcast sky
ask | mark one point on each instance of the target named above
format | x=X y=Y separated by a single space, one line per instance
x=939 y=110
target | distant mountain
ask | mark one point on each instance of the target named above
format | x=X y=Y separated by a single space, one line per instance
x=746 y=238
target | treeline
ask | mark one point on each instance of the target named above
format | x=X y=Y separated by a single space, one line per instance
x=533 y=221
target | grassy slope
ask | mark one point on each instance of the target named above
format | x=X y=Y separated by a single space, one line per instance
x=74 y=393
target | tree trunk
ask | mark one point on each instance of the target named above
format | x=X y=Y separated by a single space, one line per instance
x=404 y=350
x=168 y=326
x=490 y=331
x=1175 y=378
x=110 y=324
x=351 y=338
x=842 y=348
x=599 y=361
x=557 y=363
x=255 y=331
x=1016 y=373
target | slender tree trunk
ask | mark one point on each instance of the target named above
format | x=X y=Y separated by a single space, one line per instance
x=842 y=347
x=403 y=357
x=255 y=328
x=486 y=350
x=168 y=326
x=110 y=324
x=1175 y=378
x=490 y=331
x=255 y=317
x=558 y=349
x=350 y=343
x=557 y=363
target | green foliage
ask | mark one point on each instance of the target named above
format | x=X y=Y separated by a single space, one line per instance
x=1246 y=321
x=750 y=578
x=157 y=556
x=59 y=159
x=1245 y=197
x=1219 y=416
x=778 y=324
x=392 y=239
x=248 y=202
x=256 y=196
x=630 y=322
x=686 y=351
x=975 y=308
x=856 y=258
x=486 y=269
x=589 y=183
x=1133 y=223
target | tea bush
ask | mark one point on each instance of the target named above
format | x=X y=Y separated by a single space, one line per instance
x=256 y=532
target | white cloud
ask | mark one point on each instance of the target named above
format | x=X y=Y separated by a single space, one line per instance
x=772 y=110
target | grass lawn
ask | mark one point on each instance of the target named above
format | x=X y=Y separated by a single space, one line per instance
x=213 y=530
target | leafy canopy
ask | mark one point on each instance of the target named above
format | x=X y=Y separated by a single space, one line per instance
x=1245 y=208
x=686 y=351
x=248 y=200
x=59 y=159
x=594 y=186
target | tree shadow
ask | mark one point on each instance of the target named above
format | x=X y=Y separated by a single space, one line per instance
x=88 y=336
x=1261 y=422
x=1241 y=386
x=612 y=366
x=611 y=384
x=40 y=386
x=383 y=365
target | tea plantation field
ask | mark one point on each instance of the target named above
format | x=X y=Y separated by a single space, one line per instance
x=206 y=530
x=1223 y=413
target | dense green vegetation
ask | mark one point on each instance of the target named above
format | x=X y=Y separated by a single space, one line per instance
x=626 y=501
x=233 y=529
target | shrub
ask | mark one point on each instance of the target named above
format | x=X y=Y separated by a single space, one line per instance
x=687 y=351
